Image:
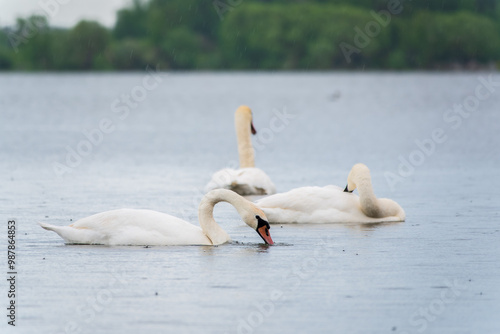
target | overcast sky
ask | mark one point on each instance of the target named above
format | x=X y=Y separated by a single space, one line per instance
x=67 y=15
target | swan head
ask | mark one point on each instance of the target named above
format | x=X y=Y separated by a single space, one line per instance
x=243 y=116
x=256 y=219
x=262 y=229
x=359 y=173
x=249 y=213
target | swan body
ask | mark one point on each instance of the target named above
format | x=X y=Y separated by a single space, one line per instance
x=147 y=227
x=244 y=181
x=331 y=204
x=247 y=180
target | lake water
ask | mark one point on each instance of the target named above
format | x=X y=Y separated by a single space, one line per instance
x=438 y=272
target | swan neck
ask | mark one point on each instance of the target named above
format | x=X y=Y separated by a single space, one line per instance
x=245 y=148
x=368 y=200
x=214 y=232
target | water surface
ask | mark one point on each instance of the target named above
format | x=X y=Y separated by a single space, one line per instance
x=435 y=273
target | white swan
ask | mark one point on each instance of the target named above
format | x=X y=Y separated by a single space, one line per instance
x=331 y=204
x=248 y=180
x=146 y=227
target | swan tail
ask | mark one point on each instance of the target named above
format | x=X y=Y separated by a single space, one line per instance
x=48 y=227
x=70 y=234
x=60 y=230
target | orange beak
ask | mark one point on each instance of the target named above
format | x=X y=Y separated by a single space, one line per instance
x=252 y=128
x=265 y=235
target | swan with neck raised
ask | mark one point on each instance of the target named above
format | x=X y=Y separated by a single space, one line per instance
x=147 y=227
x=331 y=204
x=247 y=180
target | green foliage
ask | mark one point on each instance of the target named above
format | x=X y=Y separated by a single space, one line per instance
x=131 y=54
x=479 y=6
x=303 y=36
x=131 y=22
x=262 y=34
x=181 y=48
x=199 y=16
x=459 y=37
x=396 y=60
x=85 y=46
x=6 y=61
x=31 y=41
x=178 y=34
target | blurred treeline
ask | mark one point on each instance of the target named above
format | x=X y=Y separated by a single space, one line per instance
x=272 y=34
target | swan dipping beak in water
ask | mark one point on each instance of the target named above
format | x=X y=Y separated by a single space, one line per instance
x=131 y=227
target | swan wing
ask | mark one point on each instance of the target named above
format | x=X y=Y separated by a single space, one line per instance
x=221 y=179
x=253 y=181
x=243 y=181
